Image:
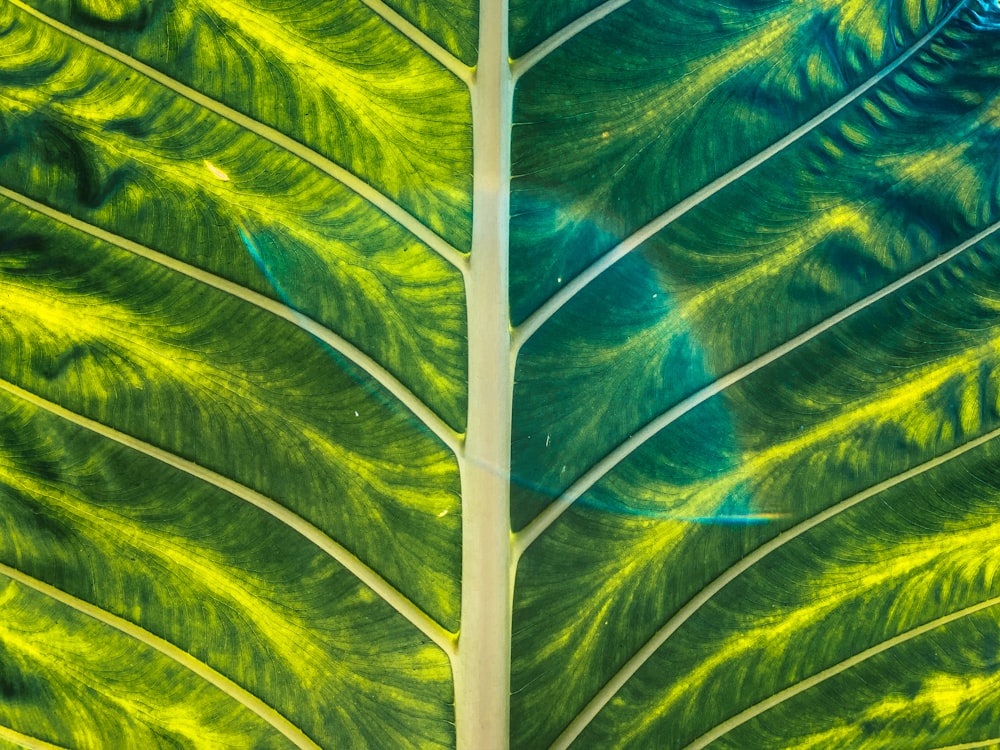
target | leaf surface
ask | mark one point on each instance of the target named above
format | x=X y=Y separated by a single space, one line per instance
x=223 y=430
x=814 y=325
x=259 y=390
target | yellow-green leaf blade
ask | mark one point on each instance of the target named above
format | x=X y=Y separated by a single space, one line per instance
x=335 y=77
x=238 y=391
x=93 y=139
x=217 y=578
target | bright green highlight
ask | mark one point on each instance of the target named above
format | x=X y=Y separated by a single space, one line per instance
x=94 y=139
x=333 y=76
x=210 y=574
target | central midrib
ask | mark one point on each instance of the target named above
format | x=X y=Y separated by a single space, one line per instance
x=481 y=666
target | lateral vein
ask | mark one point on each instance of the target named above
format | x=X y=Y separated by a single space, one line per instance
x=176 y=654
x=826 y=674
x=382 y=202
x=24 y=740
x=547 y=517
x=455 y=66
x=630 y=243
x=395 y=599
x=543 y=49
x=601 y=699
x=378 y=373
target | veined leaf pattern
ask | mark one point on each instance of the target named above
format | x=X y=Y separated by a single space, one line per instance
x=265 y=418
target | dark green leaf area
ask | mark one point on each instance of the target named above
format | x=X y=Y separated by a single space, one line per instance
x=878 y=192
x=600 y=371
x=220 y=579
x=75 y=682
x=532 y=21
x=95 y=140
x=888 y=186
x=902 y=382
x=333 y=76
x=923 y=552
x=454 y=25
x=210 y=378
x=657 y=100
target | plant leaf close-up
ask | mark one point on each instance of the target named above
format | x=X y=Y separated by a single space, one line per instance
x=503 y=374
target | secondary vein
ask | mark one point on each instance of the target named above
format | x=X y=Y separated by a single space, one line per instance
x=24 y=740
x=394 y=598
x=542 y=50
x=457 y=68
x=601 y=699
x=387 y=206
x=220 y=681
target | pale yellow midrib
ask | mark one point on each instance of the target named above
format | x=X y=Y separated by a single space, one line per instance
x=378 y=373
x=482 y=664
x=416 y=616
x=172 y=652
x=380 y=201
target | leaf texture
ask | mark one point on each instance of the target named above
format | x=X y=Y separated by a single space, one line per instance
x=255 y=371
x=209 y=363
x=335 y=77
x=260 y=607
x=710 y=467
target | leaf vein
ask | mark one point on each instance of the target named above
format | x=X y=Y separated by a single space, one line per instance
x=202 y=670
x=380 y=201
x=546 y=47
x=395 y=599
x=24 y=740
x=661 y=636
x=455 y=66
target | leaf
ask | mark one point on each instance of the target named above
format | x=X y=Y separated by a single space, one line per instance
x=285 y=461
x=733 y=440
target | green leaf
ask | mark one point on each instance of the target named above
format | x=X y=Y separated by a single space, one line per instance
x=402 y=373
x=754 y=362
